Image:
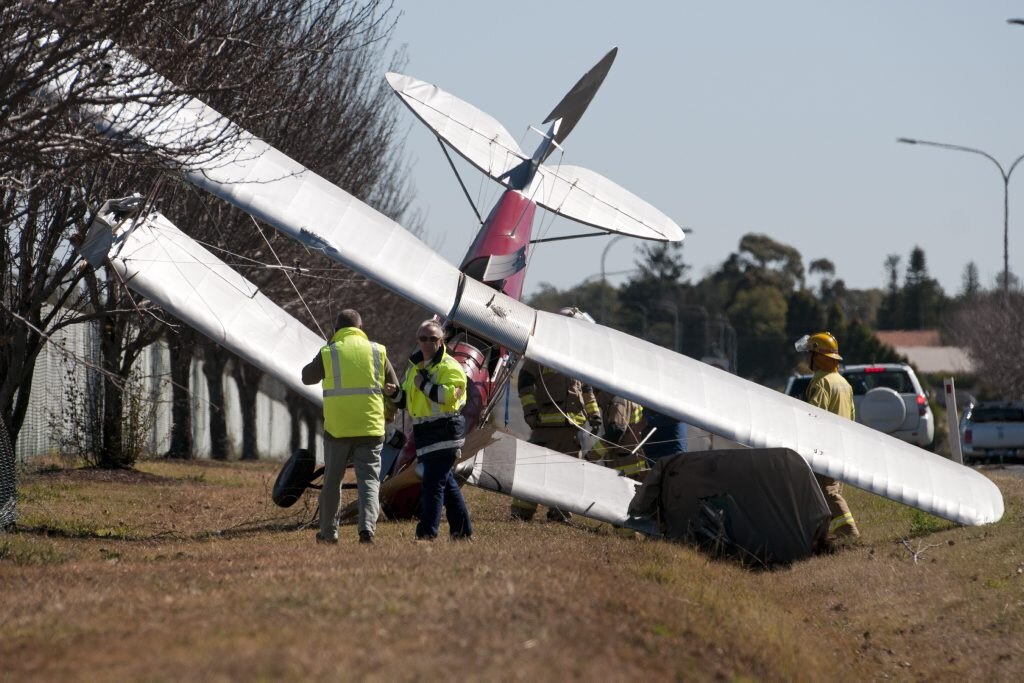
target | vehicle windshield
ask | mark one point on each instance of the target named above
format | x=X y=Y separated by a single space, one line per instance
x=798 y=387
x=863 y=381
x=997 y=414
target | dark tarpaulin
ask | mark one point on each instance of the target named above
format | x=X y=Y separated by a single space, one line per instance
x=761 y=503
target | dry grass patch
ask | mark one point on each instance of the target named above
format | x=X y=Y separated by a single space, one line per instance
x=187 y=570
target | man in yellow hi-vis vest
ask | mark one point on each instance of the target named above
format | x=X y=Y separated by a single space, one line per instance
x=830 y=391
x=353 y=371
x=433 y=391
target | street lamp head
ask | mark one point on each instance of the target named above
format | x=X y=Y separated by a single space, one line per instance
x=907 y=141
x=1015 y=21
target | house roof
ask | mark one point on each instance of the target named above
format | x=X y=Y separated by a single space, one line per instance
x=901 y=338
x=923 y=348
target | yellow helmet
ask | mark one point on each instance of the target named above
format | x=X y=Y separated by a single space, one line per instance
x=822 y=342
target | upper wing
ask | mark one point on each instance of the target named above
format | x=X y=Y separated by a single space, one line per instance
x=590 y=198
x=576 y=193
x=477 y=136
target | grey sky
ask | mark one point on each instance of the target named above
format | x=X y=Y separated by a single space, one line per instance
x=744 y=116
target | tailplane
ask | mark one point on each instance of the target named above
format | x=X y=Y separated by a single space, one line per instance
x=575 y=193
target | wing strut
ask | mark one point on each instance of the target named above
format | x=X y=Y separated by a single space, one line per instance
x=461 y=184
x=569 y=237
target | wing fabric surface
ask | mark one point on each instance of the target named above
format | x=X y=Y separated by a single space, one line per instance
x=476 y=136
x=751 y=414
x=589 y=198
x=569 y=191
x=517 y=468
x=269 y=185
x=167 y=267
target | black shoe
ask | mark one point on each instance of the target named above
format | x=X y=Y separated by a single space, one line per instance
x=366 y=537
x=466 y=538
x=425 y=539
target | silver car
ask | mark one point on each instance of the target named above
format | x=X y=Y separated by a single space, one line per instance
x=887 y=397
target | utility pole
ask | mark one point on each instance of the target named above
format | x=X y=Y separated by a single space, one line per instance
x=1006 y=195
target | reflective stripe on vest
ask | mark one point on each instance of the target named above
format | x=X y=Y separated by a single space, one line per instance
x=440 y=446
x=632 y=468
x=352 y=385
x=449 y=378
x=841 y=521
x=549 y=419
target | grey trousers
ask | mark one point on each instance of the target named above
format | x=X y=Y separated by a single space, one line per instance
x=364 y=454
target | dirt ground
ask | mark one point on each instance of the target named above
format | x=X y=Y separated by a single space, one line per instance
x=188 y=571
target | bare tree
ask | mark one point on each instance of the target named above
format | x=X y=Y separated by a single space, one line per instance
x=991 y=328
x=303 y=74
x=56 y=64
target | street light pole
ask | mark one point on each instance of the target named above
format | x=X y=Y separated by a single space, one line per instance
x=1006 y=194
x=604 y=282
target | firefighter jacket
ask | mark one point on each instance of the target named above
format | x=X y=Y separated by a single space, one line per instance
x=622 y=420
x=435 y=407
x=830 y=391
x=550 y=399
x=353 y=375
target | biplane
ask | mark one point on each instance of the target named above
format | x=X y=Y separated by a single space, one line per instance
x=480 y=305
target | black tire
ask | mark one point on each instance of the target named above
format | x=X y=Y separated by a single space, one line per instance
x=297 y=473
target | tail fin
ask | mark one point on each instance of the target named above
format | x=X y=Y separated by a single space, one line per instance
x=576 y=101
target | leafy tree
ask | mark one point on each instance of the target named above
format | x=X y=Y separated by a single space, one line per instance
x=890 y=313
x=836 y=320
x=923 y=298
x=971 y=286
x=860 y=345
x=769 y=262
x=759 y=316
x=662 y=262
x=804 y=314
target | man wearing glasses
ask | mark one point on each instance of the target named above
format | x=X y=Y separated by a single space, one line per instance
x=434 y=392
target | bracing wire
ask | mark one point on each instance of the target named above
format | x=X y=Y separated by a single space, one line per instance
x=288 y=275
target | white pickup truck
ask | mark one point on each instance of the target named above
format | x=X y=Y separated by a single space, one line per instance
x=993 y=429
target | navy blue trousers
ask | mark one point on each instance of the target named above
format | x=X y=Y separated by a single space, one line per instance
x=440 y=487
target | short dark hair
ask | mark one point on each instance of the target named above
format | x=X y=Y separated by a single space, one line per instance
x=348 y=318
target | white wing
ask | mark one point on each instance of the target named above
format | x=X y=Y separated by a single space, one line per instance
x=477 y=136
x=592 y=199
x=749 y=413
x=517 y=468
x=170 y=269
x=569 y=191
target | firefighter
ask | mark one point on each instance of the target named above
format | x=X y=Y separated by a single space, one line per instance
x=830 y=391
x=622 y=429
x=556 y=408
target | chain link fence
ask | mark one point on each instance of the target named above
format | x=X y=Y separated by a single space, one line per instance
x=8 y=488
